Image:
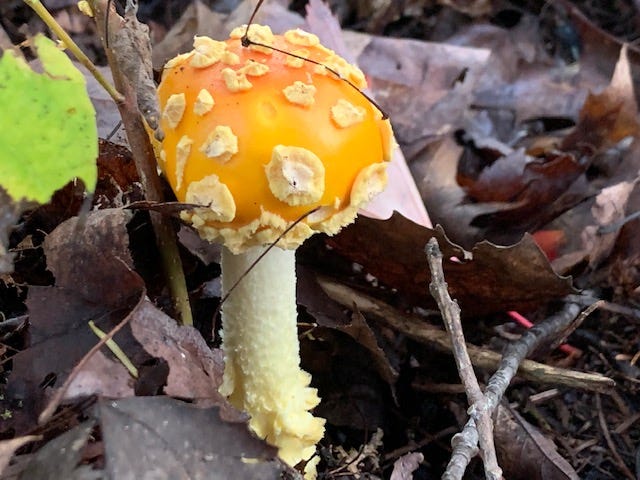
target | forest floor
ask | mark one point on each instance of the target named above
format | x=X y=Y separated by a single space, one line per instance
x=519 y=124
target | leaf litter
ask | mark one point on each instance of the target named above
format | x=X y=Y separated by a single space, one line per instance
x=503 y=139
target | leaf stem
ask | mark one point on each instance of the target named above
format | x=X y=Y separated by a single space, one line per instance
x=115 y=349
x=56 y=28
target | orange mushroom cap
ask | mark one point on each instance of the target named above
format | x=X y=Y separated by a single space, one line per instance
x=259 y=138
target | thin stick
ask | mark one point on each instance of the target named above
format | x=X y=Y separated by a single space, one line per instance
x=247 y=42
x=56 y=28
x=417 y=329
x=478 y=410
x=115 y=349
x=612 y=446
x=465 y=442
x=54 y=403
x=145 y=161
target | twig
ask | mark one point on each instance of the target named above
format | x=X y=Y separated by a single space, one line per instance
x=417 y=329
x=479 y=410
x=143 y=153
x=59 y=395
x=612 y=447
x=115 y=349
x=465 y=442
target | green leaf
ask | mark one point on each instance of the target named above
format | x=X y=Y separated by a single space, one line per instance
x=48 y=132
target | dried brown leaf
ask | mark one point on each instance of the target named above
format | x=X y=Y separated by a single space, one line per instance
x=486 y=280
x=525 y=453
x=609 y=116
x=360 y=331
x=608 y=210
x=101 y=376
x=158 y=434
x=130 y=39
x=195 y=371
x=94 y=281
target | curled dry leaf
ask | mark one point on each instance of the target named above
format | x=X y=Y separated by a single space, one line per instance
x=486 y=280
x=608 y=209
x=528 y=185
x=131 y=41
x=195 y=371
x=360 y=331
x=609 y=116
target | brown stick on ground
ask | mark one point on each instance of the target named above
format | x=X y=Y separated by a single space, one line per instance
x=479 y=411
x=417 y=329
x=128 y=63
x=464 y=443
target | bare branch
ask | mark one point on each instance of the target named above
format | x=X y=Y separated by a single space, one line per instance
x=465 y=443
x=417 y=329
x=478 y=410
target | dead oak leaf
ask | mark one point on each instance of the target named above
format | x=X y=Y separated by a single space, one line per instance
x=486 y=280
x=607 y=117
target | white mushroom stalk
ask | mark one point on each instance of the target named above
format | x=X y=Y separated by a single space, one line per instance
x=258 y=139
x=260 y=328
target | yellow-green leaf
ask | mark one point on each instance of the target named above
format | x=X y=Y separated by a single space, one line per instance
x=48 y=132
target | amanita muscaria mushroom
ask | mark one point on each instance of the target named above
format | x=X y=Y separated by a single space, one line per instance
x=258 y=138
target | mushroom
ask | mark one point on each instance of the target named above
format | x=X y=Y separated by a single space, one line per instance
x=257 y=139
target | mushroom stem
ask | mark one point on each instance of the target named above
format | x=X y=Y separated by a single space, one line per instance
x=262 y=360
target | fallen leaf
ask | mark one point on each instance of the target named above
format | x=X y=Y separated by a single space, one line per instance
x=130 y=39
x=607 y=210
x=118 y=180
x=417 y=84
x=360 y=331
x=486 y=280
x=8 y=448
x=526 y=454
x=528 y=182
x=607 y=117
x=623 y=266
x=195 y=371
x=101 y=376
x=157 y=434
x=59 y=458
x=94 y=281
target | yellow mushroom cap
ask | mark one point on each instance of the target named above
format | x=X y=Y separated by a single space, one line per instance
x=260 y=140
